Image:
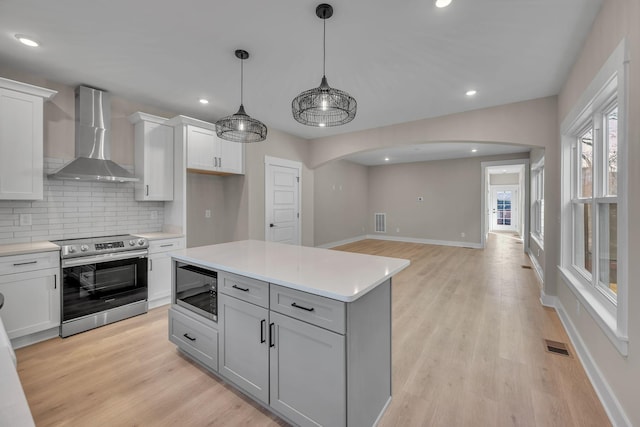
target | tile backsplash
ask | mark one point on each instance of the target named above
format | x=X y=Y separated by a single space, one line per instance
x=75 y=209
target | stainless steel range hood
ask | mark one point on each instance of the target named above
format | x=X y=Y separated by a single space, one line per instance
x=93 y=145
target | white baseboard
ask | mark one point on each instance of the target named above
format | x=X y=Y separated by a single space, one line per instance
x=471 y=245
x=159 y=302
x=36 y=337
x=538 y=269
x=608 y=399
x=342 y=242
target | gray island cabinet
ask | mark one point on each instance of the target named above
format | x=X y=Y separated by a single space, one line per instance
x=305 y=332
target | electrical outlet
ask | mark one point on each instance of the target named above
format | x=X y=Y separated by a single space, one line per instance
x=538 y=253
x=207 y=213
x=397 y=229
x=154 y=214
x=25 y=219
x=463 y=234
x=577 y=307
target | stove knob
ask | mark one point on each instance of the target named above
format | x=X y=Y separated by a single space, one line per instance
x=72 y=249
x=132 y=242
x=141 y=242
x=84 y=248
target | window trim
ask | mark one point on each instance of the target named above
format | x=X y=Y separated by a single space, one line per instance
x=537 y=197
x=611 y=82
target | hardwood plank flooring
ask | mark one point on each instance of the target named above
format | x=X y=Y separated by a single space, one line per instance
x=468 y=350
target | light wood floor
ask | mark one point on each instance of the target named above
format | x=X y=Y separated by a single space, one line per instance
x=467 y=351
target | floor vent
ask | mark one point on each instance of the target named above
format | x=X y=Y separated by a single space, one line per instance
x=380 y=220
x=556 y=347
x=526 y=266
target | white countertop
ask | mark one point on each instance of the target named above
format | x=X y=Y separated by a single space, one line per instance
x=27 y=248
x=343 y=276
x=159 y=235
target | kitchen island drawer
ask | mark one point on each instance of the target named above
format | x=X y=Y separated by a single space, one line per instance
x=320 y=311
x=165 y=245
x=29 y=262
x=194 y=337
x=244 y=288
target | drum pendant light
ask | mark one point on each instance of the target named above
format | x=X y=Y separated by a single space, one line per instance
x=240 y=127
x=324 y=105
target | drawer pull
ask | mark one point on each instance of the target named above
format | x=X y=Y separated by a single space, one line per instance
x=167 y=245
x=188 y=337
x=272 y=334
x=301 y=307
x=240 y=289
x=24 y=263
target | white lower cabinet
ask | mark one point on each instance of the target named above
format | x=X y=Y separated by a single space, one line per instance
x=159 y=265
x=195 y=337
x=244 y=345
x=31 y=293
x=307 y=367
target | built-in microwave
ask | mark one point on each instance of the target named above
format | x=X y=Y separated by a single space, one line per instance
x=196 y=289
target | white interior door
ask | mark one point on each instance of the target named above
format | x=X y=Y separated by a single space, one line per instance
x=282 y=201
x=504 y=208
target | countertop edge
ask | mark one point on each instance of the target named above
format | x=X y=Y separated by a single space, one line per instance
x=27 y=248
x=314 y=291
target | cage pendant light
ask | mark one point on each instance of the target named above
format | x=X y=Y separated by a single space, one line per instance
x=240 y=127
x=324 y=105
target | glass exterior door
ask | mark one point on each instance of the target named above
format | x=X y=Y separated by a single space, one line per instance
x=504 y=202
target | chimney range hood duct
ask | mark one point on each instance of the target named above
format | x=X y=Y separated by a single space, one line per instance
x=93 y=145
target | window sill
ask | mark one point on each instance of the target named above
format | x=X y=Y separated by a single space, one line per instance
x=598 y=311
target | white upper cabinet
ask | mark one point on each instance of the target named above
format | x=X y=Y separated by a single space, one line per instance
x=153 y=157
x=21 y=140
x=206 y=153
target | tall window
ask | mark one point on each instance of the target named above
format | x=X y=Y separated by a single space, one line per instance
x=595 y=201
x=537 y=202
x=594 y=239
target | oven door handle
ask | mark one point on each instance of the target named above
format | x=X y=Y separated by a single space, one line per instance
x=103 y=258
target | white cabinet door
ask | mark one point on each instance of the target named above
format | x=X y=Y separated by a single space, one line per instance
x=231 y=157
x=308 y=381
x=31 y=302
x=158 y=163
x=153 y=158
x=159 y=277
x=201 y=149
x=21 y=156
x=244 y=345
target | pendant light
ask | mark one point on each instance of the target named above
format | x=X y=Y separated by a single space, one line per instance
x=324 y=105
x=240 y=127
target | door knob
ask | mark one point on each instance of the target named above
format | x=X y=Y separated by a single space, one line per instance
x=271 y=225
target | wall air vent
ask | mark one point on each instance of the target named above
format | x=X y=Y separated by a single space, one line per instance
x=380 y=220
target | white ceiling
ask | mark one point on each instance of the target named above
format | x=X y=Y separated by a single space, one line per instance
x=402 y=61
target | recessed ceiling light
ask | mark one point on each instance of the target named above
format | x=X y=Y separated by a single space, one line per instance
x=386 y=159
x=203 y=101
x=443 y=3
x=471 y=92
x=475 y=150
x=27 y=41
x=321 y=125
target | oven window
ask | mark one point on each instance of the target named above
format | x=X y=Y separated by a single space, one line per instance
x=92 y=288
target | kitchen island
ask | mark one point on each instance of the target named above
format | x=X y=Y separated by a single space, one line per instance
x=306 y=332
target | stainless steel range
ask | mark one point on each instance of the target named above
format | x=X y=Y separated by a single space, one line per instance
x=104 y=280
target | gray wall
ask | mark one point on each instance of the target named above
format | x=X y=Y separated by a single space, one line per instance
x=617 y=20
x=452 y=195
x=504 y=179
x=341 y=192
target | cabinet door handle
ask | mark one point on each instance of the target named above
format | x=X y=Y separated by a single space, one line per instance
x=263 y=323
x=55 y=282
x=240 y=289
x=272 y=334
x=147 y=190
x=301 y=307
x=24 y=263
x=219 y=161
x=167 y=245
x=188 y=337
x=150 y=265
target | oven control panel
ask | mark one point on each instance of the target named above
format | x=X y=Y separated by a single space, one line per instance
x=109 y=245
